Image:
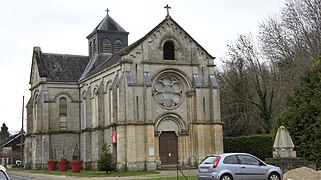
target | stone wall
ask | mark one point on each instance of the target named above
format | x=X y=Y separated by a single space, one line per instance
x=287 y=164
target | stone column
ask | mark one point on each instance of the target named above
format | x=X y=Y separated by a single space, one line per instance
x=150 y=148
x=198 y=131
x=121 y=148
x=217 y=138
x=44 y=150
x=86 y=149
x=131 y=147
x=97 y=140
x=216 y=110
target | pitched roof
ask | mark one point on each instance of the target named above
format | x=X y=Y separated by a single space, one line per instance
x=107 y=24
x=94 y=62
x=9 y=140
x=60 y=67
x=135 y=44
x=115 y=58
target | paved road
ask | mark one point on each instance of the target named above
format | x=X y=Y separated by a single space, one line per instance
x=16 y=175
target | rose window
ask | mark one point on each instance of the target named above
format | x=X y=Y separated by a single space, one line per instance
x=168 y=92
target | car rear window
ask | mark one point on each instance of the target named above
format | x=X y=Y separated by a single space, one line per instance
x=210 y=160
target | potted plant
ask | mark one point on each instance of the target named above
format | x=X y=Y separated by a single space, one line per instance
x=76 y=163
x=52 y=162
x=63 y=163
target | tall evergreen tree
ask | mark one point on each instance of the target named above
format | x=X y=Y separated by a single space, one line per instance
x=106 y=161
x=302 y=115
x=4 y=133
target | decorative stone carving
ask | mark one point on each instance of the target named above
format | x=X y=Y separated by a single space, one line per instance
x=168 y=92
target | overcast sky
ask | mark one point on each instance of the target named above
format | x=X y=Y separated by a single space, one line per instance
x=61 y=26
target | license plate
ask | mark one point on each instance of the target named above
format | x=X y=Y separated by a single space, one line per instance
x=203 y=169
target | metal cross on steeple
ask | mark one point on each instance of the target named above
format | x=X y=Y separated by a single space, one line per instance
x=107 y=10
x=167 y=7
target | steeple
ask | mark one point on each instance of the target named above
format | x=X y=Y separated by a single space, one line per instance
x=107 y=37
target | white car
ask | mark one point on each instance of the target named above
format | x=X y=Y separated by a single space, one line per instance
x=3 y=173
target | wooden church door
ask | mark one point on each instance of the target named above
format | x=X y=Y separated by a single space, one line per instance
x=168 y=148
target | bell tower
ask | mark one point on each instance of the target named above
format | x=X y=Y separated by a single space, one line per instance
x=107 y=37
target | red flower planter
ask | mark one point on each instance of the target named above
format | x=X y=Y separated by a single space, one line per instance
x=52 y=165
x=76 y=166
x=63 y=165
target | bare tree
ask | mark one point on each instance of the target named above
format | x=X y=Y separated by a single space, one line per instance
x=291 y=43
x=246 y=92
x=255 y=84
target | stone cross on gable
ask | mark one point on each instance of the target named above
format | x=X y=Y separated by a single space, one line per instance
x=167 y=7
x=107 y=10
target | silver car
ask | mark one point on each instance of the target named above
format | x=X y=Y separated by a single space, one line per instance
x=3 y=173
x=237 y=166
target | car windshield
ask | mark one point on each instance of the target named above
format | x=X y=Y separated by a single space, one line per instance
x=210 y=160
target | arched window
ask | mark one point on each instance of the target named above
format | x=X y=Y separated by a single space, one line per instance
x=118 y=45
x=106 y=46
x=168 y=51
x=62 y=107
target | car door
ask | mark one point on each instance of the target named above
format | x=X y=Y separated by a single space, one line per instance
x=233 y=165
x=251 y=168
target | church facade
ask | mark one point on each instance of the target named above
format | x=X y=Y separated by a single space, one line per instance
x=155 y=101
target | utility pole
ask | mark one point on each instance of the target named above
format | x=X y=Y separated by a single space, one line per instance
x=23 y=104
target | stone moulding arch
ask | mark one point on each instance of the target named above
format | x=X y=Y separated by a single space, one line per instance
x=85 y=92
x=95 y=90
x=170 y=122
x=169 y=39
x=107 y=86
x=60 y=95
x=36 y=95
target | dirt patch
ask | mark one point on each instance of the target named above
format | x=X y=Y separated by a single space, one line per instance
x=302 y=173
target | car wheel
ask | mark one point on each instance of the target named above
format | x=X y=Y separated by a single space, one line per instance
x=274 y=176
x=226 y=177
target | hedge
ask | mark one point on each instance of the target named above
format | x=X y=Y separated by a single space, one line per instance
x=260 y=146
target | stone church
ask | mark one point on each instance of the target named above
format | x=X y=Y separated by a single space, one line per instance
x=155 y=102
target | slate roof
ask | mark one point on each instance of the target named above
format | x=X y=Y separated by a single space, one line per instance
x=107 y=24
x=94 y=62
x=9 y=140
x=71 y=68
x=60 y=67
x=114 y=59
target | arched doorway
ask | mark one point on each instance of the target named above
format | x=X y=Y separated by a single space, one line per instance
x=168 y=147
x=169 y=127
